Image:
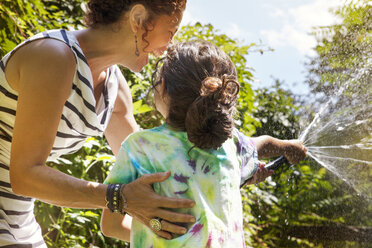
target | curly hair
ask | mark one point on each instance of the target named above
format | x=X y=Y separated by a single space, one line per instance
x=200 y=81
x=105 y=12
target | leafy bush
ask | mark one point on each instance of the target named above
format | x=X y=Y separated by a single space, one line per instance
x=304 y=194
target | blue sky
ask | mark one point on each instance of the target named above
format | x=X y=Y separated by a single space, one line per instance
x=284 y=25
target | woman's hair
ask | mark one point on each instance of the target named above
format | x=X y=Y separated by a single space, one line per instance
x=105 y=12
x=200 y=81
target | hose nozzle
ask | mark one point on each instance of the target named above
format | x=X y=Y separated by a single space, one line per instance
x=276 y=163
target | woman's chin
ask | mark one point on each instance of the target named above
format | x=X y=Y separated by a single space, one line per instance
x=146 y=60
x=139 y=69
x=140 y=64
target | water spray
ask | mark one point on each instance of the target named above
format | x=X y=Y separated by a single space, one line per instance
x=282 y=160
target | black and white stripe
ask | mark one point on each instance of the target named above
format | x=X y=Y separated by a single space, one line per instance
x=81 y=117
x=8 y=110
x=4 y=166
x=8 y=94
x=2 y=66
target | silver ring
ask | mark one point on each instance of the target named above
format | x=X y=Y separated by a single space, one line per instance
x=155 y=224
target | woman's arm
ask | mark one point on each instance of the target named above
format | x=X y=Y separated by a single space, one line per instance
x=268 y=147
x=122 y=122
x=42 y=73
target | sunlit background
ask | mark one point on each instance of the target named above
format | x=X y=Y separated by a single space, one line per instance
x=325 y=200
x=283 y=25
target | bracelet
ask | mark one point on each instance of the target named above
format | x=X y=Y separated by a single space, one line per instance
x=123 y=201
x=109 y=197
x=113 y=198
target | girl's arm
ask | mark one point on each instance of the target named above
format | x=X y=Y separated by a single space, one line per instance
x=268 y=147
x=115 y=225
x=261 y=174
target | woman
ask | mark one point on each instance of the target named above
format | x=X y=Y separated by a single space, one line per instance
x=60 y=87
x=208 y=158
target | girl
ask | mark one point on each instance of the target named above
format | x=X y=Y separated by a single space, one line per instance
x=208 y=159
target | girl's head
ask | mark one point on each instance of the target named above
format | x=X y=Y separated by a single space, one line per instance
x=150 y=24
x=196 y=90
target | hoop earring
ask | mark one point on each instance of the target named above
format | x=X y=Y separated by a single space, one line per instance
x=136 y=52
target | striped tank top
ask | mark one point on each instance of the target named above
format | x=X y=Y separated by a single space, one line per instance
x=82 y=117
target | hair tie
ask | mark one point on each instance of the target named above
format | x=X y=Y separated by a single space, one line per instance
x=230 y=87
x=227 y=88
x=210 y=85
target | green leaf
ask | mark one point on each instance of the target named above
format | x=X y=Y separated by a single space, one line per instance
x=140 y=108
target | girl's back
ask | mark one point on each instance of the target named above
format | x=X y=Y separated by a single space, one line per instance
x=210 y=177
x=196 y=89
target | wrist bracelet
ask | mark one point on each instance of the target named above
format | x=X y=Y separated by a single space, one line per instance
x=115 y=199
x=123 y=201
x=109 y=204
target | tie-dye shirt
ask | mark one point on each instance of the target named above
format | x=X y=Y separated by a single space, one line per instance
x=212 y=178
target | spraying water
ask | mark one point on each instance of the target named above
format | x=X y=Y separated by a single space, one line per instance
x=340 y=135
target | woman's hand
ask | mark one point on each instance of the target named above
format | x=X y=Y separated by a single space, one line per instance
x=261 y=174
x=294 y=151
x=144 y=204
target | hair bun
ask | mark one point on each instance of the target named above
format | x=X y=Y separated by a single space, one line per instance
x=209 y=120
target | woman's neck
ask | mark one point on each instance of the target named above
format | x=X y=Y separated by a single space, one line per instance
x=105 y=46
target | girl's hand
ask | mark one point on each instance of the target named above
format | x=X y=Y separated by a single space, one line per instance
x=294 y=151
x=261 y=174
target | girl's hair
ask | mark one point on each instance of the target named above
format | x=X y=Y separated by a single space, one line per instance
x=105 y=12
x=201 y=85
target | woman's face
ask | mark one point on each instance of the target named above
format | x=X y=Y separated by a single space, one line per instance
x=158 y=37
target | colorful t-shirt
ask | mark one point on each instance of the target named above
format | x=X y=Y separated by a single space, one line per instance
x=212 y=178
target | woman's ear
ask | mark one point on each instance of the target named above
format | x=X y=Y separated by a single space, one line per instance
x=137 y=16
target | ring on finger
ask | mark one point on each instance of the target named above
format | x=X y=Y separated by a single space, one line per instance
x=155 y=224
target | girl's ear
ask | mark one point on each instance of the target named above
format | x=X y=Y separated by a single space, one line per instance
x=137 y=16
x=163 y=91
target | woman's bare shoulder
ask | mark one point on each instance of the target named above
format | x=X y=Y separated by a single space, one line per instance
x=38 y=59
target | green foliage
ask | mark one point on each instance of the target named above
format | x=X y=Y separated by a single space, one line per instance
x=276 y=112
x=343 y=49
x=21 y=19
x=17 y=21
x=302 y=194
